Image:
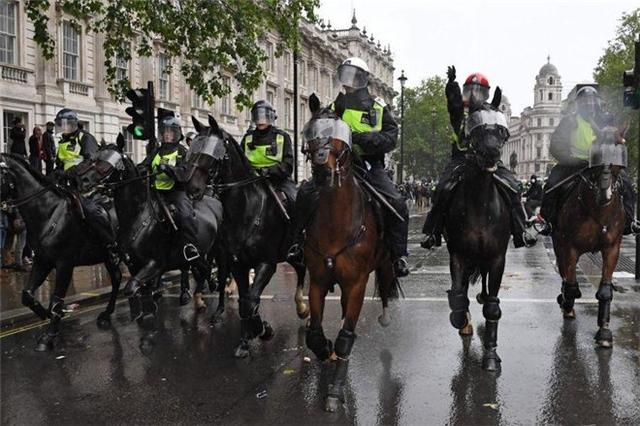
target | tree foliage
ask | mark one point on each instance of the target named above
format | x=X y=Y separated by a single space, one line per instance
x=211 y=36
x=618 y=57
x=427 y=132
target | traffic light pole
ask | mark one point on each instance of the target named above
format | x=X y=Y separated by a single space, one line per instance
x=152 y=143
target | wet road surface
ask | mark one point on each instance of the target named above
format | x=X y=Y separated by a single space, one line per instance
x=417 y=371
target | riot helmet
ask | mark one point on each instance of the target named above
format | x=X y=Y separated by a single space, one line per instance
x=353 y=73
x=262 y=112
x=170 y=130
x=66 y=121
x=475 y=90
x=588 y=102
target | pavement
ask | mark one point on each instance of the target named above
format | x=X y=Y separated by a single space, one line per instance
x=417 y=371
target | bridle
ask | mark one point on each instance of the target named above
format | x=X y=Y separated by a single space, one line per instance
x=9 y=204
x=324 y=147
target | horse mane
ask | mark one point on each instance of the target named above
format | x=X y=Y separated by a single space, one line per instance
x=37 y=175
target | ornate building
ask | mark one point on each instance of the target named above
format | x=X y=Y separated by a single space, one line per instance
x=35 y=89
x=531 y=132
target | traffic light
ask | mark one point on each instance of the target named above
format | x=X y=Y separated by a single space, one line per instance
x=631 y=82
x=141 y=113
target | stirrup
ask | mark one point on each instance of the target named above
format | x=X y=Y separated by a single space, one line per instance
x=190 y=252
x=295 y=253
x=400 y=267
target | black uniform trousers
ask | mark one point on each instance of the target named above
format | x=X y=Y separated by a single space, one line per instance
x=96 y=211
x=185 y=216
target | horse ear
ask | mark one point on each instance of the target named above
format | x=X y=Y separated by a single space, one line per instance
x=197 y=124
x=120 y=142
x=214 y=125
x=314 y=103
x=497 y=97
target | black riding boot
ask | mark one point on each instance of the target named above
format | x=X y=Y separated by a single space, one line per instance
x=305 y=206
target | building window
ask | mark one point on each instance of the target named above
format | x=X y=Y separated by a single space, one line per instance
x=130 y=144
x=551 y=122
x=163 y=76
x=315 y=81
x=70 y=51
x=539 y=122
x=196 y=100
x=271 y=96
x=538 y=137
x=541 y=97
x=303 y=74
x=550 y=80
x=550 y=96
x=538 y=153
x=288 y=68
x=225 y=106
x=537 y=169
x=122 y=69
x=271 y=62
x=303 y=114
x=8 y=33
x=287 y=112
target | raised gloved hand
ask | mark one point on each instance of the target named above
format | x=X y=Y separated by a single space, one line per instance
x=451 y=74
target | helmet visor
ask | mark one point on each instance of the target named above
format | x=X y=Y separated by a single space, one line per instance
x=608 y=155
x=588 y=105
x=263 y=116
x=169 y=135
x=474 y=94
x=111 y=157
x=353 y=77
x=66 y=126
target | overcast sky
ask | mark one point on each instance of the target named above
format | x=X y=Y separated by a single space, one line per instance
x=506 y=40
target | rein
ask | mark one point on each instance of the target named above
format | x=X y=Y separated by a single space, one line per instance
x=6 y=205
x=236 y=184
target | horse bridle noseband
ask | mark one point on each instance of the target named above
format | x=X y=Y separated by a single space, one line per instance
x=340 y=155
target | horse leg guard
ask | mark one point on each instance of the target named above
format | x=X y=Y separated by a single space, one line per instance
x=56 y=307
x=459 y=305
x=133 y=286
x=604 y=336
x=319 y=344
x=30 y=302
x=490 y=360
x=570 y=292
x=251 y=324
x=343 y=346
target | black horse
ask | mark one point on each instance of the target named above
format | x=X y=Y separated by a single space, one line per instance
x=60 y=239
x=477 y=230
x=255 y=234
x=146 y=233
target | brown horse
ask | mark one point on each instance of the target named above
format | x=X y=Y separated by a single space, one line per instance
x=592 y=219
x=343 y=245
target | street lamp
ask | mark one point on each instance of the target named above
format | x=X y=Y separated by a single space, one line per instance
x=402 y=80
x=434 y=115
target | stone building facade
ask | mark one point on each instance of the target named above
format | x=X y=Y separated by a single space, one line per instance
x=35 y=89
x=531 y=131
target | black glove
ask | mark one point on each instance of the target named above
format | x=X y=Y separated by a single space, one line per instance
x=451 y=74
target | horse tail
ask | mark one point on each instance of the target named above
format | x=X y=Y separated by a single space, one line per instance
x=475 y=276
x=387 y=285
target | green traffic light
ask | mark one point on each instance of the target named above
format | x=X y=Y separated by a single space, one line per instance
x=138 y=131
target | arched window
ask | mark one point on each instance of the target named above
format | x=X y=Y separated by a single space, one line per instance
x=541 y=96
x=550 y=80
x=550 y=96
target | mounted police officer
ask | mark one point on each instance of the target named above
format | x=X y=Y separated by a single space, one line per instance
x=570 y=146
x=269 y=149
x=168 y=161
x=533 y=195
x=474 y=97
x=74 y=147
x=374 y=133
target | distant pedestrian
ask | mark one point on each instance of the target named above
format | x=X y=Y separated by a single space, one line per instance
x=17 y=135
x=49 y=146
x=36 y=149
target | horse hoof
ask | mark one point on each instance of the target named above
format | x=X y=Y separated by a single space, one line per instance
x=467 y=330
x=480 y=298
x=332 y=404
x=303 y=311
x=104 y=321
x=268 y=332
x=490 y=364
x=571 y=314
x=185 y=298
x=604 y=338
x=242 y=351
x=384 y=320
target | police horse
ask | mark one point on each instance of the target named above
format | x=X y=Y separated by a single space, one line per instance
x=592 y=219
x=255 y=233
